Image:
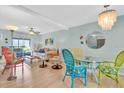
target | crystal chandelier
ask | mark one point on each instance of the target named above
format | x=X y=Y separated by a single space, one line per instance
x=107 y=18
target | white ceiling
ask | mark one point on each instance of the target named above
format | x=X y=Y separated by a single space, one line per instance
x=50 y=18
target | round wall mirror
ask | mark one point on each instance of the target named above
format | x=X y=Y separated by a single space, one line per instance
x=95 y=40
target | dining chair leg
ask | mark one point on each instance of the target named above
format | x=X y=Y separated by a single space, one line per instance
x=117 y=82
x=95 y=75
x=120 y=82
x=11 y=74
x=14 y=70
x=90 y=70
x=64 y=75
x=100 y=77
x=85 y=77
x=4 y=69
x=22 y=70
x=85 y=81
x=72 y=82
x=91 y=74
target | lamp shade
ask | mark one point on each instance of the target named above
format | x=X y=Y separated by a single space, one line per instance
x=11 y=27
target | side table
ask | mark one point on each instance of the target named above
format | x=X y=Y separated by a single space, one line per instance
x=43 y=65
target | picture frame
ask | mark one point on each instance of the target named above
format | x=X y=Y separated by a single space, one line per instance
x=49 y=41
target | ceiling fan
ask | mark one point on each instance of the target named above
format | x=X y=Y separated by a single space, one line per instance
x=31 y=31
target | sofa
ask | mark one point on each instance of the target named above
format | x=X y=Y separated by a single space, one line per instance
x=21 y=51
x=49 y=52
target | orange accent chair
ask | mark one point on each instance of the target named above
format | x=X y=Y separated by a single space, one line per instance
x=11 y=61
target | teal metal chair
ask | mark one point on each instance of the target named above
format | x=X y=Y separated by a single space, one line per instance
x=73 y=70
x=112 y=69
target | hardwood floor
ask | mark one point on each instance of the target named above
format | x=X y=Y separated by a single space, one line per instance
x=35 y=77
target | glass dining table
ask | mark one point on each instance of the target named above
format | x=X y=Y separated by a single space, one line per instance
x=92 y=66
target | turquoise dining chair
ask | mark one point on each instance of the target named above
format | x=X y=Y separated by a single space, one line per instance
x=73 y=70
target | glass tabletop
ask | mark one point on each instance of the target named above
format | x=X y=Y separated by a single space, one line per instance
x=95 y=60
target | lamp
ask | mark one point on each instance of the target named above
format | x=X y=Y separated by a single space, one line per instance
x=107 y=18
x=11 y=28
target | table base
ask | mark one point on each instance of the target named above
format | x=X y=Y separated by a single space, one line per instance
x=43 y=66
x=57 y=67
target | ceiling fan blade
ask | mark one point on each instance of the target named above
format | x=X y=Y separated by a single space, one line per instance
x=31 y=31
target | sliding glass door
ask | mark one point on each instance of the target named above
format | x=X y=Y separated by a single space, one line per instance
x=18 y=42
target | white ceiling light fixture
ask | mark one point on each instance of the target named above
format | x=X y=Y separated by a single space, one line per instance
x=107 y=18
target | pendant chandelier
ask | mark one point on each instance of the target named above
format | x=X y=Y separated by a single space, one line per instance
x=107 y=18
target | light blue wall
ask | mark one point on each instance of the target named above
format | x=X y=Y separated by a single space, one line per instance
x=71 y=39
x=35 y=39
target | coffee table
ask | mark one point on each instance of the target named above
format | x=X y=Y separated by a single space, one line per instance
x=32 y=58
